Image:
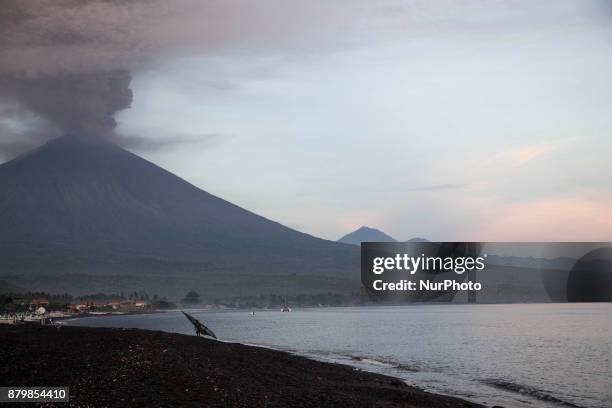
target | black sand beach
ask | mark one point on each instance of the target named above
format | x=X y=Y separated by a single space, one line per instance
x=115 y=367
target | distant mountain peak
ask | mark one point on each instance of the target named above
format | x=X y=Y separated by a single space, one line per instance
x=366 y=234
x=418 y=239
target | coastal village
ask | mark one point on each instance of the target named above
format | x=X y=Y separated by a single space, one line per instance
x=45 y=308
x=41 y=310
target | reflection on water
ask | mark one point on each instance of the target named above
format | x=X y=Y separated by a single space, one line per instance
x=519 y=355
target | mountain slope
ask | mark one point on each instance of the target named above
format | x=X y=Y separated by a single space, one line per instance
x=365 y=234
x=81 y=206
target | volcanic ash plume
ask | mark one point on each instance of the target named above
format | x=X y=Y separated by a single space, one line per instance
x=83 y=104
x=66 y=65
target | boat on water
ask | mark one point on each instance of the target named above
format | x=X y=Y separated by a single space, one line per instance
x=285 y=308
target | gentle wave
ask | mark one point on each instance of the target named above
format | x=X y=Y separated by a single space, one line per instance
x=383 y=363
x=354 y=358
x=530 y=391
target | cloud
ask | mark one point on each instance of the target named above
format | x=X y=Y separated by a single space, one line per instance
x=65 y=36
x=436 y=187
x=70 y=62
x=523 y=155
x=145 y=143
x=582 y=218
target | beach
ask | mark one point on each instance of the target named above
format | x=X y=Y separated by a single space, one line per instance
x=131 y=367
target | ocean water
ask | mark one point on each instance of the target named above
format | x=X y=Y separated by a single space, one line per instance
x=517 y=355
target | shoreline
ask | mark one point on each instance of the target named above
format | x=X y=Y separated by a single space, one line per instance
x=501 y=388
x=372 y=305
x=119 y=367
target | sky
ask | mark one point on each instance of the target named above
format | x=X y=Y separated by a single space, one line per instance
x=469 y=120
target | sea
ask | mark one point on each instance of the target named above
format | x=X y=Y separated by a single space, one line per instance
x=512 y=355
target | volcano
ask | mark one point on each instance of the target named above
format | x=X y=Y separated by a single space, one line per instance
x=83 y=210
x=366 y=234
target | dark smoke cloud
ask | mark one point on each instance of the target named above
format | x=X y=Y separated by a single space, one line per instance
x=68 y=63
x=60 y=73
x=82 y=103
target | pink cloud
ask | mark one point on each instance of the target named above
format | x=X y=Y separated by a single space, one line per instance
x=555 y=219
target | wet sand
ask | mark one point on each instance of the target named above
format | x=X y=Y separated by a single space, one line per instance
x=128 y=367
